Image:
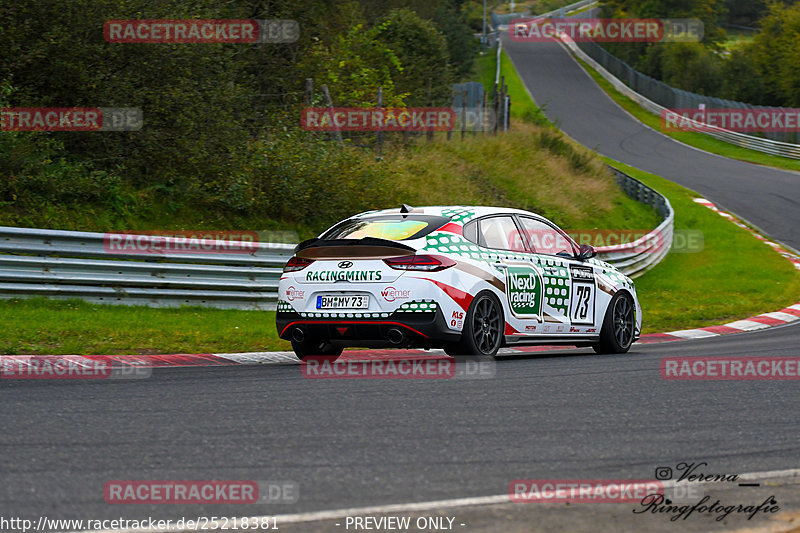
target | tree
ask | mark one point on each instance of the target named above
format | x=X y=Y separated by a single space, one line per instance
x=744 y=12
x=710 y=12
x=353 y=67
x=692 y=67
x=776 y=53
x=742 y=80
x=422 y=53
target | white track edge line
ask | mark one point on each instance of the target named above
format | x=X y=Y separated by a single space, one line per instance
x=334 y=514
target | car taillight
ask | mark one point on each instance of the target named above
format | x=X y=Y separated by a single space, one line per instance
x=297 y=263
x=426 y=263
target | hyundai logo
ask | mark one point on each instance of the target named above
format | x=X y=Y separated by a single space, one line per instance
x=345 y=264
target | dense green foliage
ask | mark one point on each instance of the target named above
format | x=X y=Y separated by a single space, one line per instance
x=760 y=71
x=222 y=133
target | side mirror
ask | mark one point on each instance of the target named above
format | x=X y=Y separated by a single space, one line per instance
x=586 y=252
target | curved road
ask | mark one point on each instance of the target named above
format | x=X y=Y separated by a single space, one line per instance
x=354 y=443
x=766 y=197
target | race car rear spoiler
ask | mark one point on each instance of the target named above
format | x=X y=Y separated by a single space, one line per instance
x=366 y=248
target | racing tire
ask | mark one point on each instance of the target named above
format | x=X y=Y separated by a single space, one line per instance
x=483 y=330
x=320 y=350
x=619 y=324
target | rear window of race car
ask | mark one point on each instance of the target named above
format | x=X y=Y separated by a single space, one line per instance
x=390 y=227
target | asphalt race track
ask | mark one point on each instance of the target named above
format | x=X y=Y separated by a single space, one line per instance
x=351 y=443
x=765 y=197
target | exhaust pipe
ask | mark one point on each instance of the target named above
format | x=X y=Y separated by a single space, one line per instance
x=395 y=336
x=298 y=335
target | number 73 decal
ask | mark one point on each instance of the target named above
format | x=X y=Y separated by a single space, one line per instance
x=583 y=295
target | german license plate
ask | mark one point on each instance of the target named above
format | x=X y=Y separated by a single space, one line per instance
x=342 y=301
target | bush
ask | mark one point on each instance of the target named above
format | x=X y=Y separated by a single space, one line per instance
x=553 y=141
x=692 y=67
x=297 y=177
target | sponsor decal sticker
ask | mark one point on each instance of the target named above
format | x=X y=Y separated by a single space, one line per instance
x=583 y=300
x=340 y=275
x=457 y=320
x=524 y=289
x=293 y=294
x=391 y=294
x=581 y=273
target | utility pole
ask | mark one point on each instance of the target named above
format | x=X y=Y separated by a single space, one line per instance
x=483 y=37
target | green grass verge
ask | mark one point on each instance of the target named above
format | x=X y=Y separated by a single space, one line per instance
x=484 y=68
x=40 y=326
x=736 y=38
x=734 y=277
x=528 y=167
x=698 y=140
x=522 y=105
x=499 y=170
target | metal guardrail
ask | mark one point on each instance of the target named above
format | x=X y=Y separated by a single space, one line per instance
x=505 y=19
x=639 y=256
x=74 y=264
x=760 y=144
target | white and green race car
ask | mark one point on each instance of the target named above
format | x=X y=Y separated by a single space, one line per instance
x=466 y=279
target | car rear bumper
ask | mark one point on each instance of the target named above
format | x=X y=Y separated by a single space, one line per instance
x=395 y=330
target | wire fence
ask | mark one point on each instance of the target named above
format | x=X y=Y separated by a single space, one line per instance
x=760 y=144
x=670 y=97
x=505 y=19
x=158 y=271
x=657 y=96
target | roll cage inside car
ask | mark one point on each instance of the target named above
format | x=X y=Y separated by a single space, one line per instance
x=473 y=233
